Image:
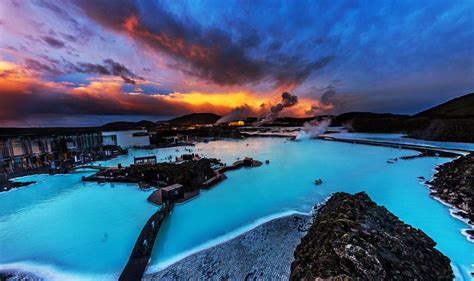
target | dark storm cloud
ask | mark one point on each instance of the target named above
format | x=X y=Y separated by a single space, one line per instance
x=44 y=68
x=70 y=38
x=109 y=67
x=53 y=42
x=61 y=11
x=40 y=99
x=208 y=53
x=291 y=70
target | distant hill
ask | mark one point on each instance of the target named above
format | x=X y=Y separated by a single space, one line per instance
x=345 y=117
x=194 y=118
x=461 y=107
x=294 y=121
x=124 y=125
x=450 y=121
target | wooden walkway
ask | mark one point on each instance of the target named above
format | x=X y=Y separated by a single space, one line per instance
x=143 y=248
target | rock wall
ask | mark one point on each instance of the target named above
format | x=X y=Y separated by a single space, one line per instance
x=454 y=184
x=352 y=237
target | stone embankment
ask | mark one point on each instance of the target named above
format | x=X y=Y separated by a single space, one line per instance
x=354 y=238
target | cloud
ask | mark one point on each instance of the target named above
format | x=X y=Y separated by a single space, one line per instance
x=64 y=12
x=24 y=94
x=109 y=67
x=330 y=102
x=38 y=66
x=209 y=53
x=53 y=42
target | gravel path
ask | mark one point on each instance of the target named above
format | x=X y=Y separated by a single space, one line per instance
x=263 y=252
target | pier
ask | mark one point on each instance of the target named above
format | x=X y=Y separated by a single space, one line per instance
x=143 y=248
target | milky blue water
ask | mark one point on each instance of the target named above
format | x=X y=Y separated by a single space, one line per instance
x=88 y=230
x=62 y=226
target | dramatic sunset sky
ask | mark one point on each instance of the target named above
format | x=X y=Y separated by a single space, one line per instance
x=89 y=62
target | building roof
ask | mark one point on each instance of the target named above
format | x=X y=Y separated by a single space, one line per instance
x=172 y=187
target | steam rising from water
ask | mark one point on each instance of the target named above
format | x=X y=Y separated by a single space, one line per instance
x=239 y=113
x=244 y=111
x=313 y=129
x=287 y=100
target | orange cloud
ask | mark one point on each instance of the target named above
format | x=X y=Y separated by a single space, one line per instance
x=23 y=92
x=223 y=99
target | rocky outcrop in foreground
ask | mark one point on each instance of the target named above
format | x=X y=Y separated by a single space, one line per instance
x=352 y=237
x=454 y=184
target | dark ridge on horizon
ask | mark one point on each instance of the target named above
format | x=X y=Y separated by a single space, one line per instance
x=124 y=125
x=460 y=107
x=341 y=119
x=194 y=118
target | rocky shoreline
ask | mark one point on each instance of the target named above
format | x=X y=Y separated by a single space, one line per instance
x=264 y=252
x=353 y=238
x=454 y=185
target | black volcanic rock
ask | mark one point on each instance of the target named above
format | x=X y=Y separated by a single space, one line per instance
x=454 y=184
x=457 y=130
x=354 y=238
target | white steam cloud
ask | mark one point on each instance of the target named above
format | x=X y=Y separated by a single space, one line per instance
x=238 y=113
x=313 y=129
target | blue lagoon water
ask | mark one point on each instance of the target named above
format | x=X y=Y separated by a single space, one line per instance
x=64 y=228
x=88 y=230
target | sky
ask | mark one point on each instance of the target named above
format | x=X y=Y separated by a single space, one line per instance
x=73 y=63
